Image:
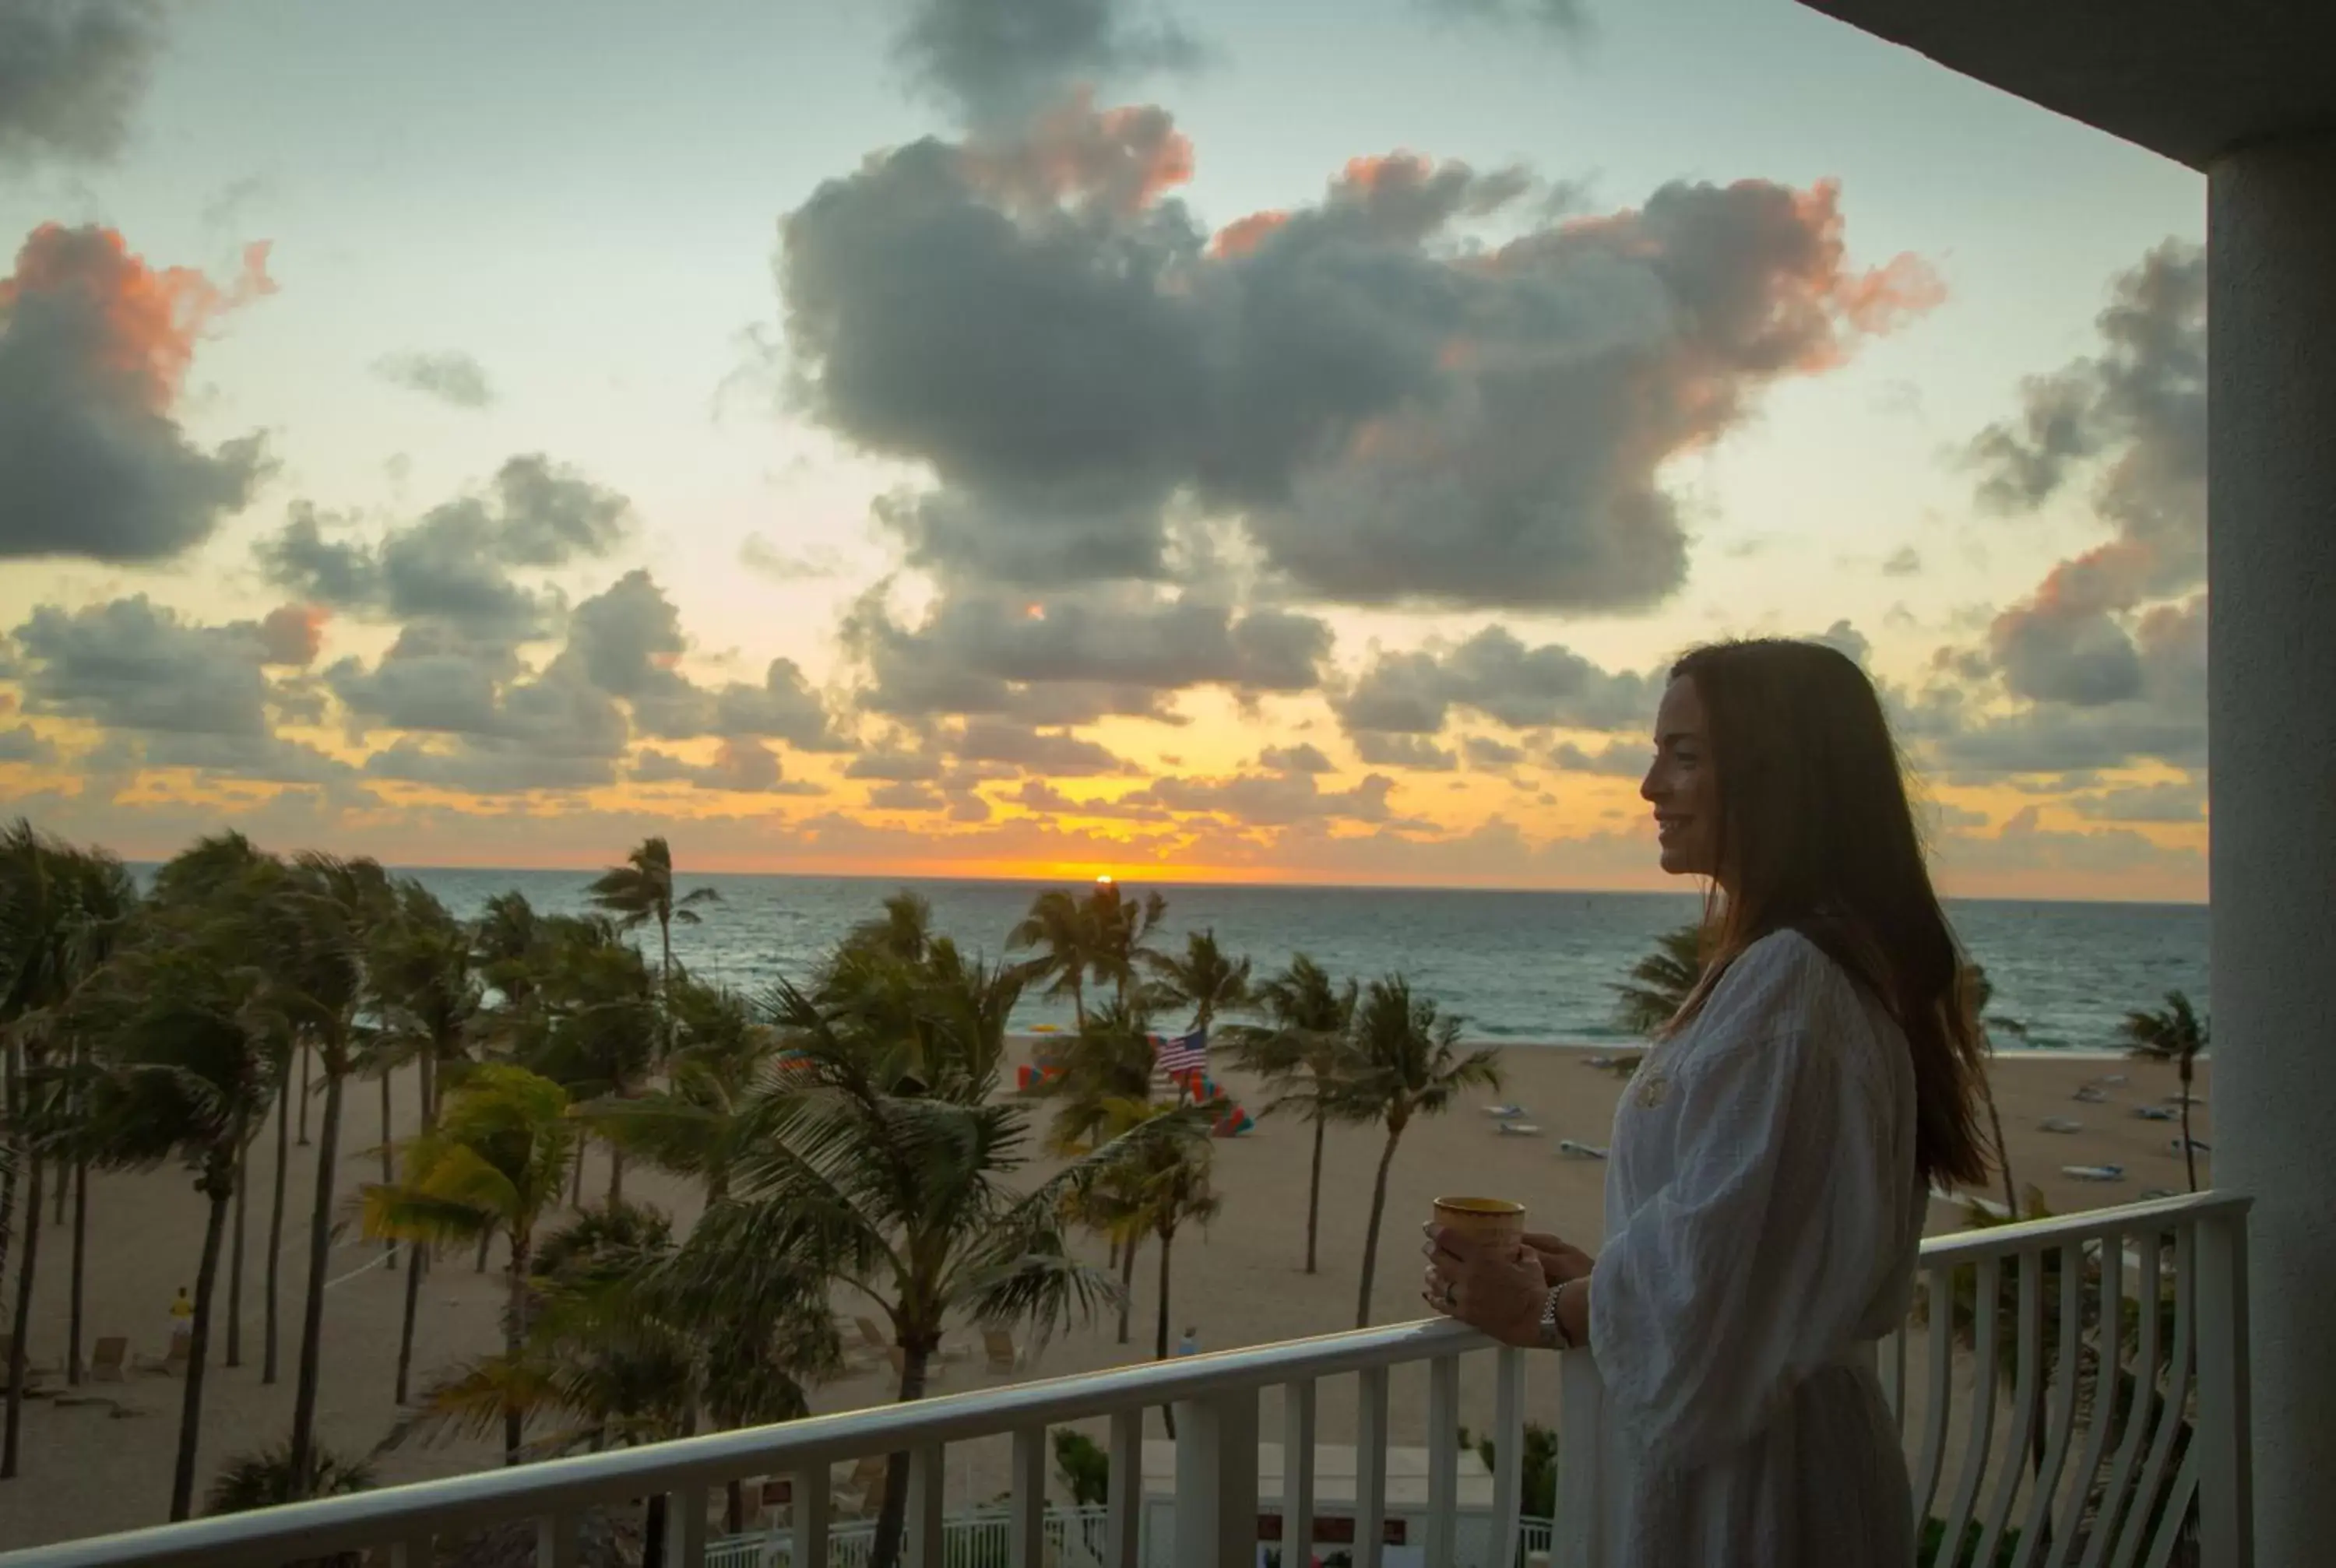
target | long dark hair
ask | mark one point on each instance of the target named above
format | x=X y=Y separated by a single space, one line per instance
x=1816 y=835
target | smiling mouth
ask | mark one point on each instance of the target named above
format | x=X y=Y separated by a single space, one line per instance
x=1666 y=825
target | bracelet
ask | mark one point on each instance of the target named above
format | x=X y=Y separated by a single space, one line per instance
x=1557 y=1315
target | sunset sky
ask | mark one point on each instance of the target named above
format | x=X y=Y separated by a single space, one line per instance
x=1047 y=437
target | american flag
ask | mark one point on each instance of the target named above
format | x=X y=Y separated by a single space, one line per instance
x=1182 y=1054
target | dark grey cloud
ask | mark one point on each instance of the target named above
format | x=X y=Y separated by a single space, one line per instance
x=292 y=635
x=453 y=378
x=2179 y=801
x=1617 y=760
x=813 y=564
x=1273 y=800
x=20 y=742
x=906 y=795
x=1390 y=417
x=894 y=767
x=1055 y=754
x=455 y=565
x=1905 y=561
x=1493 y=756
x=429 y=680
x=71 y=74
x=1303 y=757
x=94 y=344
x=999 y=60
x=1381 y=748
x=1037 y=795
x=131 y=665
x=1493 y=675
x=1560 y=18
x=741 y=767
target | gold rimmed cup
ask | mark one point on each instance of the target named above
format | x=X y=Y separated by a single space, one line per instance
x=1489 y=1219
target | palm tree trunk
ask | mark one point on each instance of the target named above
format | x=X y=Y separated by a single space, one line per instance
x=1314 y=1196
x=885 y=1551
x=484 y=1240
x=388 y=1170
x=276 y=1226
x=664 y=989
x=1371 y=1233
x=414 y=1253
x=303 y=1051
x=514 y=1336
x=24 y=1317
x=312 y=1312
x=1079 y=999
x=616 y=1174
x=74 y=1317
x=2189 y=1154
x=65 y=1190
x=575 y=1198
x=235 y=1259
x=1160 y=1321
x=1126 y=1284
x=190 y=1403
x=11 y=1081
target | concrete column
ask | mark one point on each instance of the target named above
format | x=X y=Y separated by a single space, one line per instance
x=2272 y=525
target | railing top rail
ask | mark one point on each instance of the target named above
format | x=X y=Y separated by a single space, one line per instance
x=2093 y=1224
x=341 y=1523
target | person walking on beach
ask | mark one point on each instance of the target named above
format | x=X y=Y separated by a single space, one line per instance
x=182 y=1319
x=1190 y=1344
x=1773 y=1156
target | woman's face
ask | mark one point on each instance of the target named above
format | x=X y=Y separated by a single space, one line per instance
x=1681 y=787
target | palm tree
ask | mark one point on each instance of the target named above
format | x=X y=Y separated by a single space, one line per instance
x=696 y=1125
x=321 y=917
x=1122 y=927
x=593 y=1023
x=1405 y=1064
x=61 y=912
x=641 y=891
x=189 y=1073
x=1978 y=992
x=2172 y=1033
x=494 y=1163
x=885 y=1162
x=1101 y=1070
x=1061 y=927
x=1206 y=978
x=1661 y=983
x=1168 y=1184
x=1304 y=1053
x=265 y=1478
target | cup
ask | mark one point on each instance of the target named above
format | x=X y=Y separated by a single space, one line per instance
x=1482 y=1219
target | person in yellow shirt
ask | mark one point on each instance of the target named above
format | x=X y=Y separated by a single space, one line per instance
x=182 y=1320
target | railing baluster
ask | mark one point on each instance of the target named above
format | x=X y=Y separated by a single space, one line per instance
x=1028 y=1519
x=685 y=1527
x=1298 y=1472
x=2170 y=1406
x=1216 y=1479
x=1126 y=1488
x=1371 y=1467
x=2027 y=1390
x=2108 y=1347
x=1941 y=1284
x=1442 y=1460
x=2061 y=1424
x=928 y=1480
x=1987 y=1361
x=2219 y=1445
x=417 y=1550
x=1508 y=1453
x=809 y=1519
x=2177 y=1503
x=2115 y=1496
x=555 y=1541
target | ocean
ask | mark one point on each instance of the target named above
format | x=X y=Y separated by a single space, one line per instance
x=1518 y=967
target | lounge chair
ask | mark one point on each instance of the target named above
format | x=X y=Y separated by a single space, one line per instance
x=170 y=1366
x=2061 y=1124
x=2094 y=1172
x=873 y=1340
x=1005 y=1357
x=861 y=1492
x=2156 y=1114
x=2091 y=1095
x=109 y=1362
x=934 y=1366
x=2199 y=1144
x=1505 y=1112
x=1518 y=1129
x=1567 y=1146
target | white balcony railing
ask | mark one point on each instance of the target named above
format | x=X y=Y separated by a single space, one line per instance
x=2102 y=1468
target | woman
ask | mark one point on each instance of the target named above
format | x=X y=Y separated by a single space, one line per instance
x=1773 y=1156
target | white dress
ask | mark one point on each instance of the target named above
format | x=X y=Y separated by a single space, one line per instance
x=1762 y=1219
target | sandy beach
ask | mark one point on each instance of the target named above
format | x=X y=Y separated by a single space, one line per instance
x=97 y=1467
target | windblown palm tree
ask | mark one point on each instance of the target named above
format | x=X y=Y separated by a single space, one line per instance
x=593 y=1025
x=1661 y=983
x=494 y=1163
x=641 y=891
x=2174 y=1033
x=885 y=1162
x=1206 y=978
x=1123 y=929
x=1406 y=1065
x=1061 y=927
x=190 y=1072
x=1305 y=1054
x=62 y=911
x=1164 y=1179
x=696 y=1125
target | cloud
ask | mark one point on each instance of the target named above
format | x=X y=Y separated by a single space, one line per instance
x=453 y=377
x=1905 y=561
x=20 y=742
x=2182 y=802
x=454 y=565
x=1274 y=800
x=745 y=767
x=1303 y=757
x=94 y=344
x=894 y=767
x=1053 y=755
x=1560 y=18
x=70 y=72
x=759 y=554
x=999 y=60
x=906 y=796
x=1385 y=414
x=131 y=664
x=1379 y=748
x=1483 y=752
x=293 y=634
x=1497 y=677
x=1620 y=760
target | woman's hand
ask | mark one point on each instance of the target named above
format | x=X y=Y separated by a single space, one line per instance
x=1498 y=1287
x=1560 y=1260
